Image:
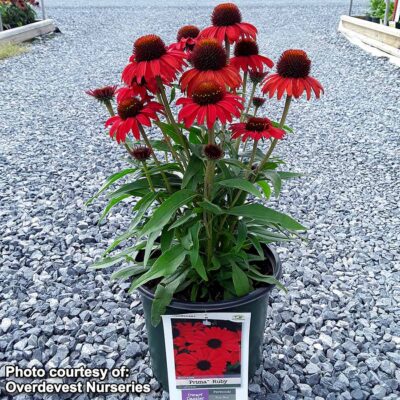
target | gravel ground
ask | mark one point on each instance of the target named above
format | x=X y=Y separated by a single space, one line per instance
x=336 y=335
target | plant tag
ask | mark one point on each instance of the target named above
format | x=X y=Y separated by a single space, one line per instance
x=207 y=355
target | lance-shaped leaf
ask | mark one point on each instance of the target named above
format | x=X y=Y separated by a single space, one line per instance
x=165 y=211
x=264 y=214
x=163 y=296
x=113 y=178
x=240 y=281
x=241 y=184
x=165 y=265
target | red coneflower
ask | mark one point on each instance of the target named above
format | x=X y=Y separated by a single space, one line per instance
x=247 y=57
x=186 y=38
x=200 y=363
x=126 y=92
x=209 y=102
x=151 y=59
x=256 y=128
x=227 y=23
x=292 y=77
x=210 y=64
x=215 y=340
x=104 y=94
x=183 y=332
x=132 y=113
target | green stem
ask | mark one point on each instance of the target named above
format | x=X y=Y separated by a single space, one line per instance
x=146 y=172
x=244 y=150
x=148 y=144
x=208 y=185
x=109 y=106
x=253 y=90
x=244 y=86
x=253 y=156
x=227 y=49
x=169 y=144
x=275 y=141
x=171 y=118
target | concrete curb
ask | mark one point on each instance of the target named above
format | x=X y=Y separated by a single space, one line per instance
x=27 y=32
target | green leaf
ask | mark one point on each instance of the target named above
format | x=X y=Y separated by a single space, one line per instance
x=195 y=135
x=267 y=215
x=164 y=212
x=106 y=262
x=285 y=127
x=113 y=178
x=163 y=297
x=127 y=272
x=167 y=237
x=255 y=275
x=149 y=246
x=114 y=201
x=276 y=181
x=234 y=162
x=194 y=167
x=169 y=130
x=187 y=215
x=242 y=235
x=132 y=187
x=141 y=207
x=172 y=96
x=165 y=265
x=289 y=175
x=257 y=245
x=265 y=188
x=240 y=281
x=211 y=207
x=160 y=145
x=241 y=184
x=165 y=167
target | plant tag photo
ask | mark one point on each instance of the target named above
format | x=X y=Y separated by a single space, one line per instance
x=207 y=355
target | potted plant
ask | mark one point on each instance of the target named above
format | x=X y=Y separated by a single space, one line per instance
x=376 y=10
x=16 y=13
x=200 y=234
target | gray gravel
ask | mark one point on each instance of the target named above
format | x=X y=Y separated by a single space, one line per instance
x=336 y=335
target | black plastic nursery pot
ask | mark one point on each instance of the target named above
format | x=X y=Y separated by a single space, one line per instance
x=254 y=303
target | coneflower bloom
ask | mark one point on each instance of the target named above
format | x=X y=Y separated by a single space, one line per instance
x=141 y=153
x=247 y=57
x=215 y=339
x=209 y=61
x=150 y=59
x=199 y=363
x=186 y=38
x=292 y=77
x=131 y=114
x=257 y=77
x=227 y=23
x=256 y=129
x=209 y=102
x=258 y=101
x=213 y=151
x=104 y=94
x=127 y=92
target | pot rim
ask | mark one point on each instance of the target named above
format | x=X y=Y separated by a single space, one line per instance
x=270 y=254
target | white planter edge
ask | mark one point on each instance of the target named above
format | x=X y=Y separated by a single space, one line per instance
x=27 y=32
